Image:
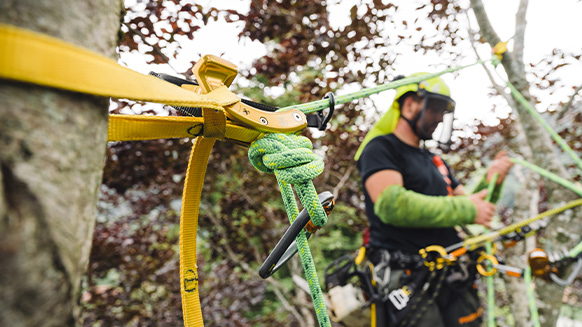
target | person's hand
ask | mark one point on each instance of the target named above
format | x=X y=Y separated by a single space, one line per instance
x=485 y=210
x=500 y=165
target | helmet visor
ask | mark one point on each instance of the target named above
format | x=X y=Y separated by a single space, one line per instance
x=437 y=118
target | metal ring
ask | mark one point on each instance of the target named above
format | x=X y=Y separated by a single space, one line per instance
x=480 y=267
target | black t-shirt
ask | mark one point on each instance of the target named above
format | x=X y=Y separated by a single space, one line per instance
x=420 y=175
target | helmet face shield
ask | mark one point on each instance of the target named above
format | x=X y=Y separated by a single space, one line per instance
x=438 y=111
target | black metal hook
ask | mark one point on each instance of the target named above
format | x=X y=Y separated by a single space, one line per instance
x=331 y=97
x=318 y=119
x=287 y=247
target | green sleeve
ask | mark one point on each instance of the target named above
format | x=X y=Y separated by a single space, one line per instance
x=483 y=184
x=400 y=207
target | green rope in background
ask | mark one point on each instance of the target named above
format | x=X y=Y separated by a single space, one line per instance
x=575 y=251
x=551 y=176
x=557 y=138
x=533 y=309
x=291 y=159
x=489 y=279
x=319 y=105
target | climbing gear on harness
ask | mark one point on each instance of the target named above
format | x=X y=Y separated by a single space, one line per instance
x=473 y=243
x=348 y=304
x=287 y=246
x=481 y=268
x=539 y=263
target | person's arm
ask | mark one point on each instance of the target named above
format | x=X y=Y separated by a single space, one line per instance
x=395 y=205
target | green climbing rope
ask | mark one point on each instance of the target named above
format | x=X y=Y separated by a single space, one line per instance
x=533 y=309
x=489 y=279
x=291 y=159
x=553 y=177
x=532 y=111
x=575 y=251
x=319 y=105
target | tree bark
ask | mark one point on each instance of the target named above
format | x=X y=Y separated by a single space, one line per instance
x=52 y=149
x=561 y=232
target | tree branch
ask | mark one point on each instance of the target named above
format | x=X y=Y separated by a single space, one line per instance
x=520 y=24
x=342 y=181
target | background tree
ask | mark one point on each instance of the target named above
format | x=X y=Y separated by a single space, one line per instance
x=544 y=155
x=52 y=146
x=133 y=270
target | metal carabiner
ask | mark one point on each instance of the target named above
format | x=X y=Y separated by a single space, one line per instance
x=318 y=119
x=287 y=247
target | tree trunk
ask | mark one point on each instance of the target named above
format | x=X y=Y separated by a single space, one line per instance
x=52 y=148
x=561 y=232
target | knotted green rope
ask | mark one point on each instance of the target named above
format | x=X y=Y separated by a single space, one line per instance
x=291 y=159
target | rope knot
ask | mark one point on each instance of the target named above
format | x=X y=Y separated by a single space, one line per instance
x=288 y=156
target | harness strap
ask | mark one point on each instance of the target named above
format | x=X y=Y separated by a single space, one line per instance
x=439 y=163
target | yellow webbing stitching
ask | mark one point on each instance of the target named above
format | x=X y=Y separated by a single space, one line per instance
x=188 y=228
x=214 y=123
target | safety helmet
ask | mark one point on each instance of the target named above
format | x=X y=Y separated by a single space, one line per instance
x=437 y=102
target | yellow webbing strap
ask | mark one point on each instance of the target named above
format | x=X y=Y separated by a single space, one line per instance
x=136 y=127
x=31 y=57
x=188 y=227
x=40 y=59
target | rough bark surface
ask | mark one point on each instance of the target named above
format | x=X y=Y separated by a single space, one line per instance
x=52 y=148
x=562 y=232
